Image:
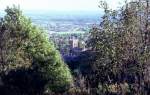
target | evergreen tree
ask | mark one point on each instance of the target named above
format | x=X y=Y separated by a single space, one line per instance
x=25 y=46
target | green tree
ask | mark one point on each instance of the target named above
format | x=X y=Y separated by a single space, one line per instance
x=121 y=45
x=24 y=45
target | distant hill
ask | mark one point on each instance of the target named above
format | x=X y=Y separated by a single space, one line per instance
x=63 y=21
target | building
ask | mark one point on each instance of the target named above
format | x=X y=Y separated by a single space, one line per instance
x=73 y=42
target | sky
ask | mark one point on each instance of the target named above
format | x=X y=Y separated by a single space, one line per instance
x=58 y=5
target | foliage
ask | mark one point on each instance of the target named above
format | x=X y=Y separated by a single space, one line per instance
x=122 y=46
x=24 y=46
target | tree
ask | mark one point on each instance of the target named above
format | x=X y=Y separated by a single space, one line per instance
x=121 y=45
x=25 y=46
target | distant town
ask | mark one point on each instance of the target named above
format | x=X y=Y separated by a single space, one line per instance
x=68 y=33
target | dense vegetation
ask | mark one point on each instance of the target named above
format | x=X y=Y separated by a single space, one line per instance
x=29 y=63
x=117 y=61
x=121 y=49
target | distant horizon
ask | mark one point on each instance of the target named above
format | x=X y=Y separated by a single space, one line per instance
x=58 y=13
x=59 y=5
x=61 y=9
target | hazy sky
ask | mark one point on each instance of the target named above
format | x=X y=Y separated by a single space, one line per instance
x=58 y=5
